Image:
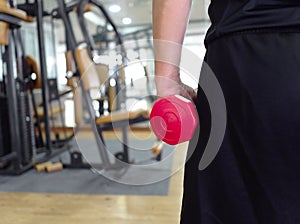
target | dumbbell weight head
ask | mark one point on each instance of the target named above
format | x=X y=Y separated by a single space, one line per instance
x=174 y=119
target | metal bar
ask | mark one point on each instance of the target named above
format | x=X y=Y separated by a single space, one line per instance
x=13 y=21
x=99 y=139
x=12 y=3
x=19 y=38
x=71 y=40
x=39 y=142
x=70 y=6
x=54 y=153
x=62 y=118
x=125 y=144
x=13 y=104
x=87 y=38
x=8 y=157
x=16 y=172
x=43 y=69
x=18 y=56
x=54 y=44
x=38 y=137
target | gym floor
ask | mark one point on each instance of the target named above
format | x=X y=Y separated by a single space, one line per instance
x=29 y=208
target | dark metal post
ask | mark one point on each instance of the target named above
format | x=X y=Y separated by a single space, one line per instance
x=71 y=40
x=98 y=136
x=125 y=143
x=12 y=105
x=43 y=69
x=87 y=38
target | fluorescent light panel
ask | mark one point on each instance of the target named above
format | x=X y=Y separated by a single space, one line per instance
x=114 y=8
x=126 y=21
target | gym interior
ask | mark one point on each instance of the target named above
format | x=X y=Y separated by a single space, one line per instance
x=76 y=93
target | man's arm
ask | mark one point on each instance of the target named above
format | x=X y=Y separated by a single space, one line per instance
x=170 y=18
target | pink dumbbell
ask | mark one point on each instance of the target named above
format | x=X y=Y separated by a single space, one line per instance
x=174 y=119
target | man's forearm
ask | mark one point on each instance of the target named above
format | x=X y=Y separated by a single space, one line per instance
x=170 y=18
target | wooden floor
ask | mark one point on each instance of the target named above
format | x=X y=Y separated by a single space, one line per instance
x=31 y=208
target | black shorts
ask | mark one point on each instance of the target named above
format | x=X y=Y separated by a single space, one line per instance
x=255 y=177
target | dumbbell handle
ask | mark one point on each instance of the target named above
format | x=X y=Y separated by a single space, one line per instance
x=174 y=119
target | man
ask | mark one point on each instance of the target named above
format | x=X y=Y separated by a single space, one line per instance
x=253 y=48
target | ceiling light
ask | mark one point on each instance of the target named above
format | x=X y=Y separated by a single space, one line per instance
x=114 y=8
x=126 y=20
x=109 y=27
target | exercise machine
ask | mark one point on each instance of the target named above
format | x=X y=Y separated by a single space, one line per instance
x=16 y=141
x=90 y=80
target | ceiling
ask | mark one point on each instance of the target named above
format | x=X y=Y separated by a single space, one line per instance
x=139 y=11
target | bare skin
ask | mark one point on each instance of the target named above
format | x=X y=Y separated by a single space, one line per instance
x=170 y=18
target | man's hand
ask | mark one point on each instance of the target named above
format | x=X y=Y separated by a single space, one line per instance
x=167 y=86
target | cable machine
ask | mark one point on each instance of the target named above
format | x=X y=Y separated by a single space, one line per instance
x=27 y=138
x=119 y=75
x=23 y=140
x=16 y=142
